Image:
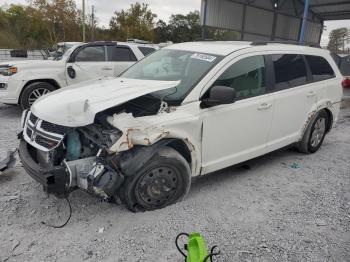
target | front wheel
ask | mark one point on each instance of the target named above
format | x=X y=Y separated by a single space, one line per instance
x=314 y=134
x=33 y=92
x=163 y=181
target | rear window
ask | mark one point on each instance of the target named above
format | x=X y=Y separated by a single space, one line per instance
x=290 y=71
x=146 y=50
x=320 y=68
x=120 y=54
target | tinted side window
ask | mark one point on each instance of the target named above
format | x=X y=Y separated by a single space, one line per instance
x=246 y=76
x=120 y=54
x=91 y=54
x=146 y=50
x=320 y=68
x=290 y=71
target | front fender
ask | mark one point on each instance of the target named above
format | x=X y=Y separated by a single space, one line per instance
x=32 y=72
x=133 y=160
x=138 y=132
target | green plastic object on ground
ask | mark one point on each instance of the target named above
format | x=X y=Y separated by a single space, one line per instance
x=196 y=248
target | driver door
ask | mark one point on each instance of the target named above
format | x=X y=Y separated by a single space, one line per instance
x=236 y=132
x=89 y=62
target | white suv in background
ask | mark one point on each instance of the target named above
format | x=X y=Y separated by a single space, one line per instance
x=186 y=110
x=23 y=82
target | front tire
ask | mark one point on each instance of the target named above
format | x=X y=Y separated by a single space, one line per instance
x=34 y=91
x=314 y=134
x=163 y=181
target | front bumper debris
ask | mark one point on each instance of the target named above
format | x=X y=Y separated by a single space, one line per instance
x=9 y=161
x=54 y=180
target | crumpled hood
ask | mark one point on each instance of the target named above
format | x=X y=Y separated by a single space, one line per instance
x=78 y=104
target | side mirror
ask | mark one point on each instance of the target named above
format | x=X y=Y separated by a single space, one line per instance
x=219 y=95
x=71 y=72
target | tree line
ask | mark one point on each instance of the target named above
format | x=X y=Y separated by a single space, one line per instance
x=338 y=40
x=43 y=23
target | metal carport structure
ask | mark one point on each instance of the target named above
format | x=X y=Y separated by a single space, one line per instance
x=279 y=20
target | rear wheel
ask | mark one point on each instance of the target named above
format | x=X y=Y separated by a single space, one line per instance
x=33 y=92
x=314 y=134
x=163 y=181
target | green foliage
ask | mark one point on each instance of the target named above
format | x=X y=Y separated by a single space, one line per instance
x=43 y=23
x=184 y=28
x=136 y=22
x=221 y=34
x=59 y=18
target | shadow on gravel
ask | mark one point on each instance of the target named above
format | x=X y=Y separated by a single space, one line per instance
x=7 y=176
x=232 y=173
x=229 y=175
x=10 y=111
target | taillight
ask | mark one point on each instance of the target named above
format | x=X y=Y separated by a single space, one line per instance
x=346 y=82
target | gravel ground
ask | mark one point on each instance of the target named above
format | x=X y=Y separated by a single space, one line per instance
x=284 y=206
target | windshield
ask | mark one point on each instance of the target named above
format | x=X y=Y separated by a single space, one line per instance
x=173 y=65
x=60 y=52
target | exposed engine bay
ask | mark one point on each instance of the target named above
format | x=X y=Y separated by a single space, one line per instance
x=66 y=158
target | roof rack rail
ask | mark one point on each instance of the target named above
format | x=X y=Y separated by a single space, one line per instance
x=284 y=42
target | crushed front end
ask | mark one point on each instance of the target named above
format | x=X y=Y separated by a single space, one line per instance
x=63 y=159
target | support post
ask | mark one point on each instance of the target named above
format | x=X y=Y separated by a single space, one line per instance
x=303 y=25
x=243 y=21
x=204 y=19
x=274 y=22
x=93 y=23
x=84 y=21
x=321 y=32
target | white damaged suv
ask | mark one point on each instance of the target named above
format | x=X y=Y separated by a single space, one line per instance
x=23 y=82
x=186 y=110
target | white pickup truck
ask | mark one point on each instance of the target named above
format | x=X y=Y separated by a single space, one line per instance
x=23 y=82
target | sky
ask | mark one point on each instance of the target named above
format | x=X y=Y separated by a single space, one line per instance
x=163 y=8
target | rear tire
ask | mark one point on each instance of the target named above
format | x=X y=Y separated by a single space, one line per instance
x=314 y=134
x=164 y=180
x=34 y=91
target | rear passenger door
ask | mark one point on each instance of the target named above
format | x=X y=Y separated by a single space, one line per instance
x=122 y=57
x=295 y=98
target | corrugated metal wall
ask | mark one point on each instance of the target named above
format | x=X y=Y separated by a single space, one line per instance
x=259 y=21
x=287 y=27
x=231 y=14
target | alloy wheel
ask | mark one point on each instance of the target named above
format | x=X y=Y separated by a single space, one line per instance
x=36 y=94
x=318 y=132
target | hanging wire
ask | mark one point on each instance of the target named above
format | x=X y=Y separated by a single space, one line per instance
x=212 y=254
x=65 y=223
x=177 y=244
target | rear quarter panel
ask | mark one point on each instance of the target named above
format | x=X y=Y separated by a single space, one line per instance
x=330 y=92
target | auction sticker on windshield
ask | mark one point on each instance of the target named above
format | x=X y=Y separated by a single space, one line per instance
x=204 y=57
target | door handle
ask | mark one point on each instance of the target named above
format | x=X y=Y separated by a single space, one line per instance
x=311 y=94
x=107 y=68
x=264 y=106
